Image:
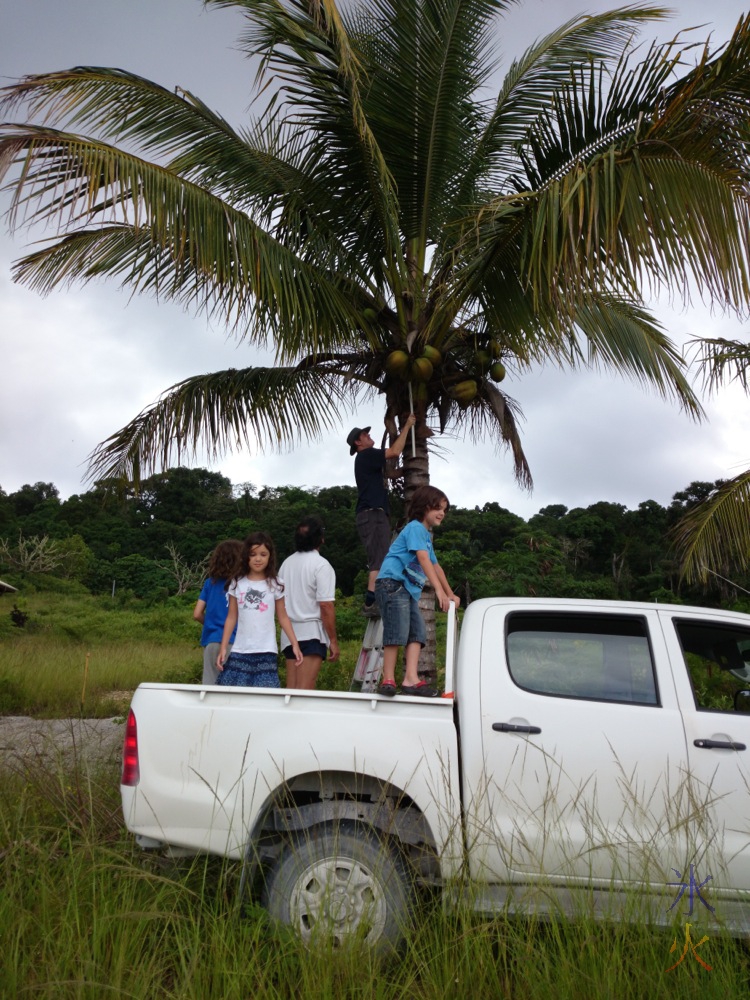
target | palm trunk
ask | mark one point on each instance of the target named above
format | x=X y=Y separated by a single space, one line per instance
x=417 y=473
x=427 y=666
x=416 y=465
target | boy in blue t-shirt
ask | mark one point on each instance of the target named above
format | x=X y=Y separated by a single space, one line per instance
x=410 y=563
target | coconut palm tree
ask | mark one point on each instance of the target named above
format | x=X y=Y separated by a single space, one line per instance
x=713 y=538
x=395 y=220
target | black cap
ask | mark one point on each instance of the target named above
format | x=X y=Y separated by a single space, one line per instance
x=352 y=437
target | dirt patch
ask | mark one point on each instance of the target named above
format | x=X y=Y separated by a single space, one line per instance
x=23 y=739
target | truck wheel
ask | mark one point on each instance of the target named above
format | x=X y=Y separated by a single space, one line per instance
x=339 y=883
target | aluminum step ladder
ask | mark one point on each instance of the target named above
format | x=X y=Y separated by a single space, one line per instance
x=369 y=667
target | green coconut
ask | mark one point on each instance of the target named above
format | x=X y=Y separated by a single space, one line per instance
x=464 y=391
x=420 y=392
x=397 y=362
x=497 y=371
x=483 y=359
x=421 y=370
x=433 y=355
x=370 y=315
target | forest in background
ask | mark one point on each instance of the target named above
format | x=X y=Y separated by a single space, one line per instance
x=151 y=545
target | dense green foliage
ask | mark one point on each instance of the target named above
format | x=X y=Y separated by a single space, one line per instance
x=113 y=536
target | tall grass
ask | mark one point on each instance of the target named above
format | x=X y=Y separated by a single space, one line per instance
x=79 y=654
x=84 y=914
x=44 y=677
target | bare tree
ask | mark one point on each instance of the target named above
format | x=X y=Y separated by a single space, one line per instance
x=34 y=554
x=187 y=576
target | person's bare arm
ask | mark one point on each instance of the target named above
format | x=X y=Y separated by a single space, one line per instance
x=429 y=568
x=446 y=586
x=400 y=443
x=328 y=617
x=286 y=624
x=199 y=611
x=229 y=624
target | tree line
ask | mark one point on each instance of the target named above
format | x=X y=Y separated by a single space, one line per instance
x=153 y=543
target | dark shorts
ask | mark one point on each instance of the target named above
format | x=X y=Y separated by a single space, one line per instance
x=374 y=529
x=309 y=647
x=254 y=670
x=402 y=619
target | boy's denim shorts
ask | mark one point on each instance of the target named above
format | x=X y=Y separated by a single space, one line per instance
x=402 y=619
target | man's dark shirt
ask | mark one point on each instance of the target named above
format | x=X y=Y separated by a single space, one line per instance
x=368 y=473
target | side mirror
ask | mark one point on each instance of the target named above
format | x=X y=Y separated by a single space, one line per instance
x=742 y=700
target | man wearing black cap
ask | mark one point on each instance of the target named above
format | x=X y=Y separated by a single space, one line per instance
x=373 y=524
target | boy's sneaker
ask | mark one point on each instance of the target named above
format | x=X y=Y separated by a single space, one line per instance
x=371 y=610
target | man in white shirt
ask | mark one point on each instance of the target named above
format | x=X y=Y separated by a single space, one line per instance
x=309 y=593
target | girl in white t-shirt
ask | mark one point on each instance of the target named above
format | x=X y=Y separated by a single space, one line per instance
x=255 y=594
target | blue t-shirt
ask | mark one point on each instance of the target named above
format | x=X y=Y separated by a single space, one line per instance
x=402 y=564
x=217 y=605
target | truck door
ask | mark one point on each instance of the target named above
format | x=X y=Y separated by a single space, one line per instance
x=710 y=661
x=583 y=749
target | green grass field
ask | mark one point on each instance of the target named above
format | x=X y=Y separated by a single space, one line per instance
x=86 y=655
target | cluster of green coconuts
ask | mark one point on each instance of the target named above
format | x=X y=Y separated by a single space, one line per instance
x=420 y=369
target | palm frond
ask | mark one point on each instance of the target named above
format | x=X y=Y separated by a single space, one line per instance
x=625 y=338
x=715 y=534
x=258 y=170
x=721 y=361
x=186 y=242
x=545 y=68
x=494 y=414
x=251 y=408
x=426 y=65
x=121 y=107
x=305 y=45
x=633 y=198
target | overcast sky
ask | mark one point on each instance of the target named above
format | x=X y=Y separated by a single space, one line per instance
x=77 y=365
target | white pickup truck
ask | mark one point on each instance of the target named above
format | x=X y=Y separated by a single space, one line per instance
x=590 y=757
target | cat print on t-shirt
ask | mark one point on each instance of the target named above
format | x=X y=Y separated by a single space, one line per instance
x=252 y=600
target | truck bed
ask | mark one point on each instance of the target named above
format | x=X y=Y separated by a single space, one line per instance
x=210 y=758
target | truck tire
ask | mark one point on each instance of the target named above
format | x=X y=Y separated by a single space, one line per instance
x=339 y=883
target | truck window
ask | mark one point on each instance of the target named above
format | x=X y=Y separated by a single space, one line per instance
x=717 y=658
x=597 y=657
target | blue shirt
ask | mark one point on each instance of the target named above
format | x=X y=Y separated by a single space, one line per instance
x=402 y=564
x=217 y=605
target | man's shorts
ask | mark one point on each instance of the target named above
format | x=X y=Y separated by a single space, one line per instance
x=402 y=619
x=374 y=529
x=308 y=647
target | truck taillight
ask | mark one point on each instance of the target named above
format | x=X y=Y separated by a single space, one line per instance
x=131 y=772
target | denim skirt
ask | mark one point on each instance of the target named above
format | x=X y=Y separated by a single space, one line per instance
x=254 y=670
